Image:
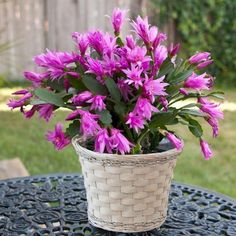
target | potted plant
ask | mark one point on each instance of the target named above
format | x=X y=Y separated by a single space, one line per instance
x=123 y=95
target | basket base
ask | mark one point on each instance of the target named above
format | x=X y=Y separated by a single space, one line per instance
x=126 y=228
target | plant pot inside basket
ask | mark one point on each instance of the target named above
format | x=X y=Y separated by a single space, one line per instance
x=127 y=193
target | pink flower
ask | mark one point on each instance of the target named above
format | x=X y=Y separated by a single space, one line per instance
x=124 y=88
x=137 y=55
x=160 y=55
x=57 y=63
x=28 y=114
x=73 y=115
x=164 y=102
x=198 y=82
x=141 y=26
x=95 y=67
x=206 y=149
x=130 y=41
x=110 y=65
x=199 y=57
x=57 y=137
x=96 y=41
x=210 y=108
x=183 y=91
x=159 y=39
x=155 y=87
x=88 y=124
x=204 y=64
x=144 y=108
x=97 y=103
x=135 y=122
x=119 y=142
x=102 y=141
x=22 y=101
x=45 y=111
x=109 y=44
x=36 y=78
x=173 y=50
x=134 y=75
x=117 y=19
x=81 y=41
x=215 y=126
x=175 y=141
x=81 y=98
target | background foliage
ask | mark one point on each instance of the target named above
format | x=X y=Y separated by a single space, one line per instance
x=207 y=25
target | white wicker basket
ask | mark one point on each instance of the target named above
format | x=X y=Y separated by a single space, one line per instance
x=126 y=193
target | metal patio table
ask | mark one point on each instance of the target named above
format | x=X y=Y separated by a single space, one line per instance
x=56 y=205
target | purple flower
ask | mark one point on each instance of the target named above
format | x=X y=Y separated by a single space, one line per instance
x=57 y=137
x=95 y=67
x=164 y=102
x=81 y=41
x=144 y=108
x=155 y=87
x=198 y=82
x=130 y=41
x=88 y=124
x=102 y=141
x=141 y=26
x=28 y=114
x=206 y=149
x=119 y=142
x=137 y=55
x=36 y=78
x=183 y=91
x=134 y=76
x=73 y=115
x=160 y=55
x=159 y=39
x=45 y=111
x=22 y=101
x=215 y=126
x=109 y=44
x=57 y=63
x=96 y=41
x=124 y=88
x=175 y=141
x=199 y=57
x=210 y=108
x=204 y=64
x=97 y=103
x=173 y=50
x=110 y=65
x=82 y=97
x=135 y=122
x=117 y=19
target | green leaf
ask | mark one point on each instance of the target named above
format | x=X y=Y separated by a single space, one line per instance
x=94 y=86
x=195 y=128
x=49 y=97
x=78 y=84
x=216 y=94
x=166 y=68
x=37 y=102
x=192 y=112
x=105 y=117
x=120 y=108
x=180 y=77
x=73 y=129
x=162 y=119
x=56 y=84
x=189 y=105
x=113 y=89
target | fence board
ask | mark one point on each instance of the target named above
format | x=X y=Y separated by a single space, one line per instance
x=35 y=25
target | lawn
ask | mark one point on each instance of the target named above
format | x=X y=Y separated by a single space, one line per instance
x=25 y=139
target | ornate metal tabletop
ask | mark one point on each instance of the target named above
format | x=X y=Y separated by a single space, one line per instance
x=56 y=205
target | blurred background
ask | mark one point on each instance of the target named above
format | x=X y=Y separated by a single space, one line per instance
x=28 y=27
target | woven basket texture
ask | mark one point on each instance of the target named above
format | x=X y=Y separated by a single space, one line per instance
x=126 y=193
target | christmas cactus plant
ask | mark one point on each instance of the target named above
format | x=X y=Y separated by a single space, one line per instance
x=122 y=92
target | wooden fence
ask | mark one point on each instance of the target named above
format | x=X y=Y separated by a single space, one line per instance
x=33 y=25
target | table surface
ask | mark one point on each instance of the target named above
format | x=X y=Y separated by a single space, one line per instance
x=56 y=205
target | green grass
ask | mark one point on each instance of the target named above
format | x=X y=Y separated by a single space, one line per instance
x=25 y=139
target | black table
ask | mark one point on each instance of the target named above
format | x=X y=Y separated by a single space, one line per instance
x=56 y=205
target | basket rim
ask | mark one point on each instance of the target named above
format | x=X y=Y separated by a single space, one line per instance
x=169 y=154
